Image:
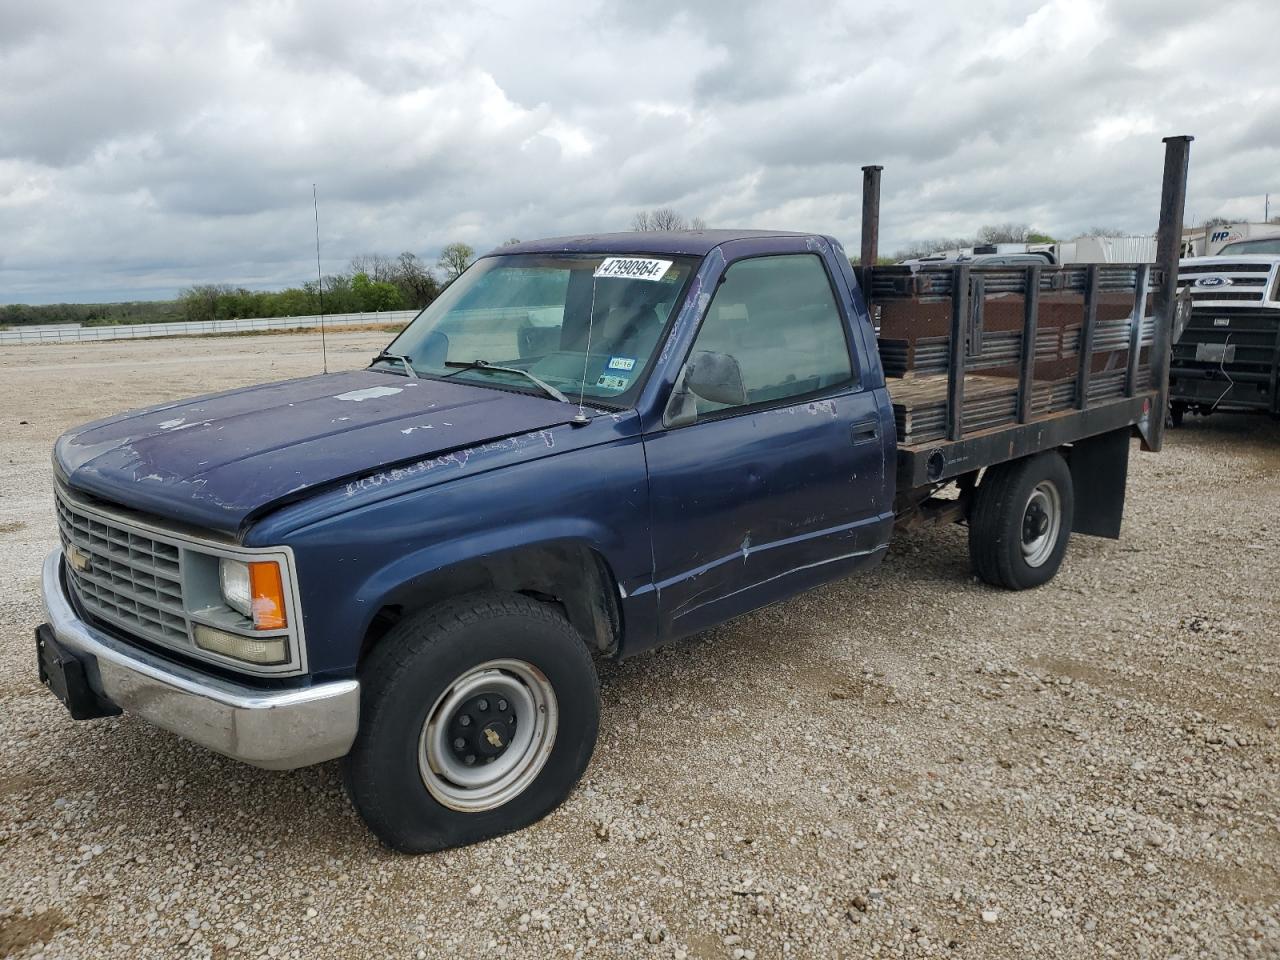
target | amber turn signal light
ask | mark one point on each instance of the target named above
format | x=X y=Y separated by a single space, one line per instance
x=267 y=590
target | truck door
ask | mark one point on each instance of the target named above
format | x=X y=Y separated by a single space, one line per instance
x=763 y=498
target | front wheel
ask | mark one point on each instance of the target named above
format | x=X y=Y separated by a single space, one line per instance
x=1021 y=521
x=477 y=718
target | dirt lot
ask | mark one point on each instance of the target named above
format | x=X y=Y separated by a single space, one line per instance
x=909 y=764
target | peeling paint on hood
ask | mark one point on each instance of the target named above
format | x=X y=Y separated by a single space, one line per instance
x=215 y=461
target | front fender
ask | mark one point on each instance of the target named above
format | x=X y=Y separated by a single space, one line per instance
x=352 y=563
x=403 y=577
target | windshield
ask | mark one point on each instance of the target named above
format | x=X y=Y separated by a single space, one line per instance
x=555 y=316
x=1251 y=247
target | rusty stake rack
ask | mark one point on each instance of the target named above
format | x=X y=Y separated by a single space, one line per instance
x=1041 y=414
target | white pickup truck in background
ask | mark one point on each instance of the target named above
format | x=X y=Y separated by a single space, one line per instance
x=1228 y=355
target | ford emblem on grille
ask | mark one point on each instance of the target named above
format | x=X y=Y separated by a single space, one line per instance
x=1214 y=282
x=79 y=560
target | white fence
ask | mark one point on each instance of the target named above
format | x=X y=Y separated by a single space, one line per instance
x=136 y=331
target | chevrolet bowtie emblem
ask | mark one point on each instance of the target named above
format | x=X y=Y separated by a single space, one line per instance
x=492 y=736
x=79 y=560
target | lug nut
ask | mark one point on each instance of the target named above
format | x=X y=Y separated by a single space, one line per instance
x=464 y=721
x=502 y=706
x=482 y=705
x=470 y=759
x=459 y=744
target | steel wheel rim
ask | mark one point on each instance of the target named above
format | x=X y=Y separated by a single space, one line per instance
x=1041 y=523
x=488 y=783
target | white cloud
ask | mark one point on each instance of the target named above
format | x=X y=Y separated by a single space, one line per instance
x=147 y=146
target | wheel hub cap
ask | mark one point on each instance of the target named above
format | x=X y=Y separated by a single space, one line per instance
x=1041 y=523
x=482 y=729
x=488 y=735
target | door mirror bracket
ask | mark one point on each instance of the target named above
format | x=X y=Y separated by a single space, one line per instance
x=682 y=407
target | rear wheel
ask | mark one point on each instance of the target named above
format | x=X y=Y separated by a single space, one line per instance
x=1021 y=520
x=1177 y=412
x=477 y=718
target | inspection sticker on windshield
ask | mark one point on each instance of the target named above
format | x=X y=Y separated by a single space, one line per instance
x=622 y=363
x=610 y=382
x=633 y=268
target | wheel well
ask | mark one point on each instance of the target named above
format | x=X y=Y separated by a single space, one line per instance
x=570 y=576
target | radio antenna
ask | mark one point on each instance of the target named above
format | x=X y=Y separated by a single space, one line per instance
x=582 y=417
x=324 y=353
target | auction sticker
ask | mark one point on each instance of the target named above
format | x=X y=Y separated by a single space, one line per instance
x=633 y=268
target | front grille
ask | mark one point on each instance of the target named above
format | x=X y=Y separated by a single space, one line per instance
x=1217 y=293
x=1194 y=268
x=130 y=580
x=1236 y=282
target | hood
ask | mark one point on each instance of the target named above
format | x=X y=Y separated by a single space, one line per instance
x=215 y=461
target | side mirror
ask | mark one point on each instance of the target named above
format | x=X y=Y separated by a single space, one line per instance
x=716 y=377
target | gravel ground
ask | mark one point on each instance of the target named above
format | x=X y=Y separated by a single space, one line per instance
x=906 y=764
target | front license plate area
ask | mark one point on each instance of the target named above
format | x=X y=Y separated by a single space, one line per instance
x=64 y=675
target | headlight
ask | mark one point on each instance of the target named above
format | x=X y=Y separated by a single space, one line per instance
x=233 y=578
x=256 y=590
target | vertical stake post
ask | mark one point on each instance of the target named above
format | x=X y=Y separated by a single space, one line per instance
x=1173 y=197
x=959 y=351
x=870 y=226
x=1027 y=361
x=1084 y=370
x=1141 y=286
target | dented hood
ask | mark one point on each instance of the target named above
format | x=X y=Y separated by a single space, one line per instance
x=216 y=461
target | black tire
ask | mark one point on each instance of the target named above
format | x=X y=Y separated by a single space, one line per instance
x=1177 y=411
x=414 y=668
x=999 y=518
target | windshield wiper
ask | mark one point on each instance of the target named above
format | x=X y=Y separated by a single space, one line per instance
x=486 y=365
x=399 y=358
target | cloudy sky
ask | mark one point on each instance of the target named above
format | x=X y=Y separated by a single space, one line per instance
x=145 y=146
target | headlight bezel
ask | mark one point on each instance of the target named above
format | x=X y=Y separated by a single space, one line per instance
x=209 y=607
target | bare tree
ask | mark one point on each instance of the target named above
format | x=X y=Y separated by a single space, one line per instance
x=1105 y=231
x=1004 y=233
x=375 y=266
x=664 y=218
x=454 y=259
x=925 y=248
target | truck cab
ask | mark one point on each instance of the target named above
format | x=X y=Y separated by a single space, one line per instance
x=590 y=444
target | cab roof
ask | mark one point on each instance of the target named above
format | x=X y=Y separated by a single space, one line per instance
x=687 y=242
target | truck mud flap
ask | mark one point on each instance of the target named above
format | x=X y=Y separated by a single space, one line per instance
x=1099 y=470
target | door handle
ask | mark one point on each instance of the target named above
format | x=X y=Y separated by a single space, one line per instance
x=865 y=431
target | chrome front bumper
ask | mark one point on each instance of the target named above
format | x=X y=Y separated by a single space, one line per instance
x=276 y=729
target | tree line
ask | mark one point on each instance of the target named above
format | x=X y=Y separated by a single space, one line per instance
x=375 y=282
x=371 y=282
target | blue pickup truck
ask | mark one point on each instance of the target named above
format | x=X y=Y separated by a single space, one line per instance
x=585 y=447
